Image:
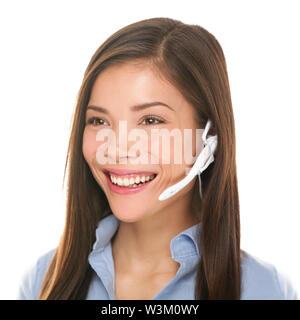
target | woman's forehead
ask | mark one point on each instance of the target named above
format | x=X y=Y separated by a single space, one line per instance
x=128 y=85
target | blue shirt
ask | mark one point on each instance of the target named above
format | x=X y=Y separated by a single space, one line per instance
x=260 y=280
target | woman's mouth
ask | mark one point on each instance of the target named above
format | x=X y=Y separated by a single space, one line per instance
x=125 y=182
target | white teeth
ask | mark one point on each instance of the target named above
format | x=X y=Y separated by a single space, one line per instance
x=131 y=181
x=126 y=182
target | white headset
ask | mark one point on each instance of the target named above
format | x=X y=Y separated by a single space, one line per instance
x=204 y=159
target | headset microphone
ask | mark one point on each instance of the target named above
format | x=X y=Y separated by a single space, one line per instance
x=205 y=158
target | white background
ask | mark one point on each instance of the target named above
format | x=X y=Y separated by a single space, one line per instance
x=45 y=48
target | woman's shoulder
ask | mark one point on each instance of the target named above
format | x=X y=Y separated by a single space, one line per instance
x=261 y=280
x=32 y=278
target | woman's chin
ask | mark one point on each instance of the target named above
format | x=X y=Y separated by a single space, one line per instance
x=128 y=214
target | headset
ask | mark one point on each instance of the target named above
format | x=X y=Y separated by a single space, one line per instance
x=205 y=158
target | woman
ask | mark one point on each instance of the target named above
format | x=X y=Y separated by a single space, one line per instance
x=121 y=241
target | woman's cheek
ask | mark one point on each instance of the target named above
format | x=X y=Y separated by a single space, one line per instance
x=89 y=145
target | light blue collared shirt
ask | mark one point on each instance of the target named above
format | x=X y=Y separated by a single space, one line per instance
x=260 y=280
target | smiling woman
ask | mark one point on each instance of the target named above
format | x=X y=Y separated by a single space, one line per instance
x=120 y=241
x=126 y=83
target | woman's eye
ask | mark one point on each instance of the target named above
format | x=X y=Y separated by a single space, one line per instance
x=152 y=120
x=95 y=121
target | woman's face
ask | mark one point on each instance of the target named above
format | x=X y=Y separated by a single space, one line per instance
x=116 y=90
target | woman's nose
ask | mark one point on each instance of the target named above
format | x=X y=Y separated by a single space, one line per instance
x=118 y=149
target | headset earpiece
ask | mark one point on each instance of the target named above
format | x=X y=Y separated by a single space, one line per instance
x=204 y=159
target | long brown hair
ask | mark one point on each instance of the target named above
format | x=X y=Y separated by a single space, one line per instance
x=193 y=61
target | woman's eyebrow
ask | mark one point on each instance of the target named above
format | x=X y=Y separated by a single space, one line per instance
x=137 y=107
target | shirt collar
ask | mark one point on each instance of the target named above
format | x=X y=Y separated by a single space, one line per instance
x=182 y=246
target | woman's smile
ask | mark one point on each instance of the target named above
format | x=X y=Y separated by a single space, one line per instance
x=128 y=181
